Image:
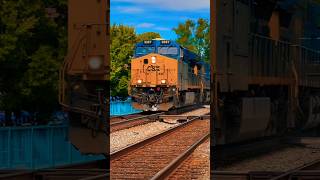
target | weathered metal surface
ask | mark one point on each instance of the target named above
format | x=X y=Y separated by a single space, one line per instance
x=83 y=80
x=261 y=52
x=257 y=50
x=87 y=37
x=254 y=110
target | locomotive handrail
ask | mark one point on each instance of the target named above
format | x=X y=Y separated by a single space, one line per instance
x=279 y=53
x=286 y=42
x=269 y=38
x=65 y=64
x=306 y=48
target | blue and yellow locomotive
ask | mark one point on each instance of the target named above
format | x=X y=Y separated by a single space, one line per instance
x=165 y=75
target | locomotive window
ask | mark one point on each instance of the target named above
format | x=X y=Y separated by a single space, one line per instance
x=145 y=61
x=144 y=50
x=168 y=50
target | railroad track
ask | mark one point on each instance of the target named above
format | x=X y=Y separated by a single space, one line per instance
x=124 y=122
x=309 y=170
x=95 y=170
x=158 y=156
x=226 y=155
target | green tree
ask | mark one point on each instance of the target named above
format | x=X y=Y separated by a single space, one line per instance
x=123 y=39
x=194 y=35
x=148 y=36
x=32 y=46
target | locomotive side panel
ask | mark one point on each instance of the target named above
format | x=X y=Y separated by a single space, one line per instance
x=307 y=63
x=233 y=48
x=238 y=65
x=183 y=76
x=224 y=32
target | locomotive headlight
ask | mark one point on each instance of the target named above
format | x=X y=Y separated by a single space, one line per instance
x=139 y=81
x=163 y=81
x=95 y=62
x=153 y=59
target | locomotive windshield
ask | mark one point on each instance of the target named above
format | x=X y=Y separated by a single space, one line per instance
x=168 y=50
x=144 y=50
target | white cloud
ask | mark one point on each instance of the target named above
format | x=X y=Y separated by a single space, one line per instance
x=145 y=25
x=152 y=26
x=129 y=10
x=162 y=29
x=178 y=5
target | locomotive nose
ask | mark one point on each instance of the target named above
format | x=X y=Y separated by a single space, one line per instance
x=144 y=98
x=152 y=98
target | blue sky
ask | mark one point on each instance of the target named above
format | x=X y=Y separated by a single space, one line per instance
x=158 y=15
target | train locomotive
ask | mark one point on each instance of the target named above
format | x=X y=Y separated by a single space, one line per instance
x=266 y=80
x=165 y=75
x=83 y=83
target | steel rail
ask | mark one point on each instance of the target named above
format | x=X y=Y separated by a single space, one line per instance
x=184 y=116
x=166 y=171
x=16 y=175
x=287 y=174
x=128 y=149
x=63 y=172
x=134 y=119
x=102 y=176
x=241 y=175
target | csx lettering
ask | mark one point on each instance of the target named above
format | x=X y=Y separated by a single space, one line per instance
x=153 y=68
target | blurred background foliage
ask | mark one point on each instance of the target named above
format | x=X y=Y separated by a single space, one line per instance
x=194 y=35
x=33 y=44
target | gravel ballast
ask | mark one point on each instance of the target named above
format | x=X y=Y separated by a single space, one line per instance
x=126 y=137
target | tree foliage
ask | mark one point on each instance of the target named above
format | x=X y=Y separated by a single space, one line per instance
x=147 y=36
x=122 y=44
x=32 y=46
x=123 y=40
x=194 y=35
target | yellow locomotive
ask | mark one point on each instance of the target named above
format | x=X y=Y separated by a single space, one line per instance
x=165 y=75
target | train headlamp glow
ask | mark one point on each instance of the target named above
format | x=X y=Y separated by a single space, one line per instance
x=95 y=62
x=173 y=89
x=163 y=81
x=153 y=59
x=139 y=81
